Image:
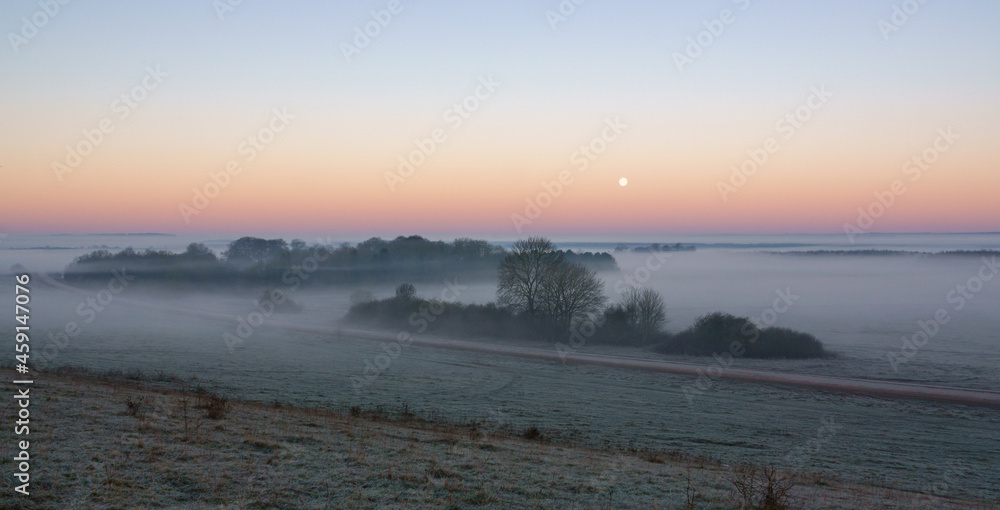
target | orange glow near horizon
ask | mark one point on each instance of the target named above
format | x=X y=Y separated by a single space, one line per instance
x=682 y=197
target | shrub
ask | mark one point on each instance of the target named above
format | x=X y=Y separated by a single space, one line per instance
x=721 y=332
x=134 y=405
x=218 y=407
x=215 y=406
x=406 y=291
x=763 y=489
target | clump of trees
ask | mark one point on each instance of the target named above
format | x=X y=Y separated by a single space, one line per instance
x=541 y=295
x=720 y=332
x=274 y=262
x=197 y=263
x=431 y=316
x=535 y=279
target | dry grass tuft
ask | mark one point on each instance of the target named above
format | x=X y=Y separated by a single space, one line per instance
x=532 y=433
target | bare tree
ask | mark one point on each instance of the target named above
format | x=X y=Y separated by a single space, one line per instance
x=571 y=291
x=645 y=311
x=521 y=272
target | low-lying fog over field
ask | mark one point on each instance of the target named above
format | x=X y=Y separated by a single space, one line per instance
x=393 y=254
x=931 y=319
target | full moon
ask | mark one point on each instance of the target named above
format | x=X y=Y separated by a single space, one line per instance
x=623 y=182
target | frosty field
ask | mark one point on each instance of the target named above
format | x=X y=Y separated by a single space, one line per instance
x=859 y=307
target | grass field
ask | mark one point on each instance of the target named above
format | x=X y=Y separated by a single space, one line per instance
x=125 y=441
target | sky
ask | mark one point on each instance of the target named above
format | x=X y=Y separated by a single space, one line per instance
x=515 y=117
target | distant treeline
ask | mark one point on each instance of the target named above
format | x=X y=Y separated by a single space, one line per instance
x=881 y=253
x=655 y=247
x=253 y=260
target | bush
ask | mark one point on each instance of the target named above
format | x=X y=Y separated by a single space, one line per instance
x=406 y=291
x=134 y=405
x=218 y=407
x=721 y=332
x=765 y=489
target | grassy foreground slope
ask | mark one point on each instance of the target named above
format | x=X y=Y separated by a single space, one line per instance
x=112 y=442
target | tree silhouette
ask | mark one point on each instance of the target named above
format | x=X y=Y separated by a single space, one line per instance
x=250 y=251
x=521 y=272
x=406 y=291
x=644 y=311
x=570 y=291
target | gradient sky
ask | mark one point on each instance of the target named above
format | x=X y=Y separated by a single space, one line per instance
x=354 y=119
